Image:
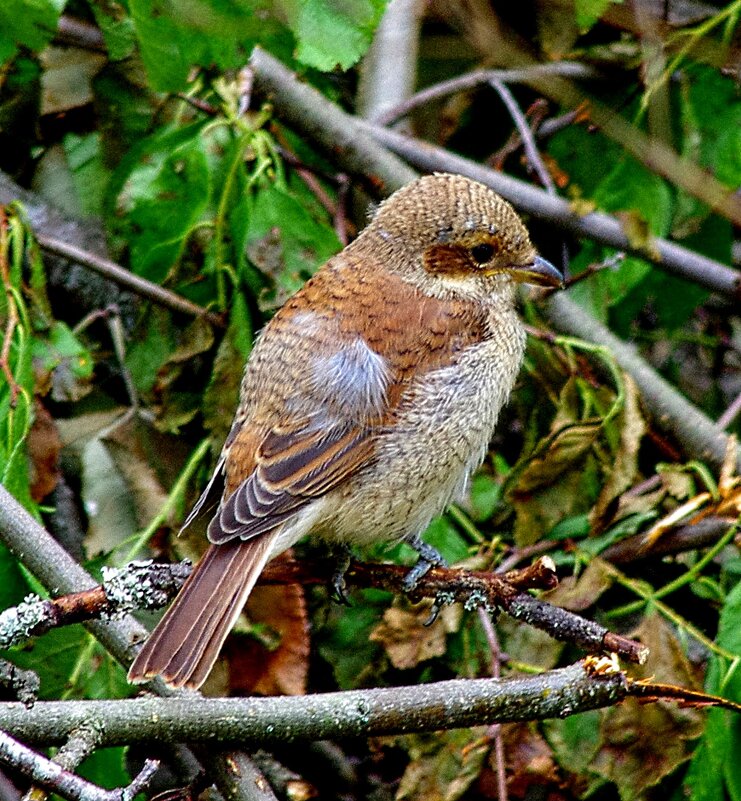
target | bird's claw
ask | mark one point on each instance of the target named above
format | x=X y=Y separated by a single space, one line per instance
x=441 y=599
x=338 y=584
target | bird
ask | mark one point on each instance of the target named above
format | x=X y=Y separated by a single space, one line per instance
x=366 y=403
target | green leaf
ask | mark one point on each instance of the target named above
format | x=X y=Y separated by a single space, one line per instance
x=117 y=27
x=13 y=584
x=344 y=641
x=575 y=740
x=27 y=23
x=333 y=33
x=486 y=495
x=175 y=35
x=106 y=767
x=62 y=356
x=286 y=241
x=89 y=174
x=442 y=535
x=589 y=11
x=714 y=764
x=163 y=194
x=71 y=664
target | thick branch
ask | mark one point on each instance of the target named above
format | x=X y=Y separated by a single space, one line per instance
x=264 y=722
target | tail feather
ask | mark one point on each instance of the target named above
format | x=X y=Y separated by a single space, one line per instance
x=186 y=642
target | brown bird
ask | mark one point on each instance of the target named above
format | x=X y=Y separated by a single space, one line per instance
x=366 y=402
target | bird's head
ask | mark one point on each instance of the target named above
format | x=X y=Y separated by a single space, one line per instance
x=452 y=236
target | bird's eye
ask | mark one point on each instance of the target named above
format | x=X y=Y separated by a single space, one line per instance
x=482 y=253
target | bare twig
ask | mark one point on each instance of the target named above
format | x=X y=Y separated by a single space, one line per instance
x=79 y=746
x=471 y=80
x=730 y=414
x=125 y=278
x=48 y=774
x=495 y=731
x=80 y=34
x=528 y=140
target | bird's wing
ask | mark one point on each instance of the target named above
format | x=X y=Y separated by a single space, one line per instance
x=321 y=387
x=293 y=467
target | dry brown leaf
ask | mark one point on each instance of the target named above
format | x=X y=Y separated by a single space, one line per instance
x=625 y=464
x=282 y=668
x=406 y=639
x=530 y=766
x=44 y=445
x=643 y=743
x=578 y=594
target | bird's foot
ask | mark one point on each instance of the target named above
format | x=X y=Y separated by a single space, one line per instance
x=338 y=584
x=428 y=557
x=442 y=599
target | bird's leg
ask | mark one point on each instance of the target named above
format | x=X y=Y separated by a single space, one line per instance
x=343 y=557
x=428 y=557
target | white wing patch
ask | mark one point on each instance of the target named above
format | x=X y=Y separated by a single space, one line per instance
x=354 y=379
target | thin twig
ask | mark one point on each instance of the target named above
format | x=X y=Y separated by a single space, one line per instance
x=123 y=277
x=730 y=414
x=528 y=140
x=471 y=80
x=495 y=732
x=53 y=777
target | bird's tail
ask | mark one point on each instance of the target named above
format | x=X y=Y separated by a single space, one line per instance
x=186 y=642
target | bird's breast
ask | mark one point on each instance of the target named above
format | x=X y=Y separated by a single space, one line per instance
x=439 y=435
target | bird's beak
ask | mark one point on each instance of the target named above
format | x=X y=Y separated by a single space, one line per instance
x=539 y=271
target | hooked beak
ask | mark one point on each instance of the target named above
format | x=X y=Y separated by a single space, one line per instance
x=540 y=272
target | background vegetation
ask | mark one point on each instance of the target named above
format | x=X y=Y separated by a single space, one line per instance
x=136 y=128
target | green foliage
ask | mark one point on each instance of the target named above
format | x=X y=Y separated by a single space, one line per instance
x=27 y=23
x=173 y=37
x=715 y=768
x=195 y=193
x=589 y=11
x=330 y=33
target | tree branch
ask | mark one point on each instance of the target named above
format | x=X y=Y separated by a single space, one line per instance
x=263 y=722
x=60 y=574
x=363 y=148
x=125 y=278
x=53 y=777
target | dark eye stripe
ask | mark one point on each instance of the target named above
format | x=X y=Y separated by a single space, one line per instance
x=482 y=253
